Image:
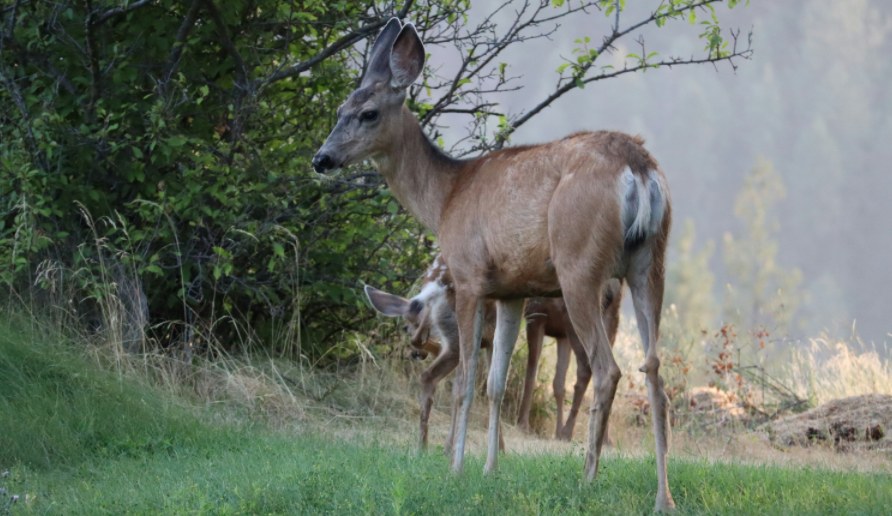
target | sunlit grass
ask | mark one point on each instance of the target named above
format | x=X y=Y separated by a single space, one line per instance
x=827 y=369
x=271 y=473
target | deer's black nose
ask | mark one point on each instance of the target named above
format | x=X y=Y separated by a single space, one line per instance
x=322 y=162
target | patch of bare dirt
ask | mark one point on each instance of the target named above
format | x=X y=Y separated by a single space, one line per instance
x=858 y=423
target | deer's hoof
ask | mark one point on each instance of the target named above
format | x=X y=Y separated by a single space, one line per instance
x=665 y=505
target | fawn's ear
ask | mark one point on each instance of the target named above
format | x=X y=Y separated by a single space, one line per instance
x=378 y=67
x=406 y=58
x=386 y=304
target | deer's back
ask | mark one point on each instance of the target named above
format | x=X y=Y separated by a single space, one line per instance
x=495 y=229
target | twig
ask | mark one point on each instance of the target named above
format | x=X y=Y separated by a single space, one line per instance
x=176 y=51
x=608 y=44
x=93 y=60
x=10 y=24
x=342 y=43
x=243 y=86
x=30 y=141
x=117 y=11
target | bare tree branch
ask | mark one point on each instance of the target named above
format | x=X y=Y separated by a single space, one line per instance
x=30 y=141
x=344 y=42
x=243 y=86
x=117 y=11
x=607 y=44
x=8 y=81
x=241 y=71
x=23 y=54
x=479 y=47
x=176 y=51
x=10 y=24
x=93 y=61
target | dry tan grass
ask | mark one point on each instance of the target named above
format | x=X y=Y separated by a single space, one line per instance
x=376 y=401
x=827 y=369
x=715 y=426
x=736 y=446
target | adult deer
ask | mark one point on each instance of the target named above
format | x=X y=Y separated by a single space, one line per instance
x=560 y=218
x=431 y=324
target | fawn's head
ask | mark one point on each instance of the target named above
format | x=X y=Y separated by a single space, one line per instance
x=416 y=314
x=368 y=119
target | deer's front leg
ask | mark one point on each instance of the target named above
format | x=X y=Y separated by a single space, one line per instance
x=469 y=313
x=508 y=316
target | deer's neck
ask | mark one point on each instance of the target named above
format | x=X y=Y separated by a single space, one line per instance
x=419 y=174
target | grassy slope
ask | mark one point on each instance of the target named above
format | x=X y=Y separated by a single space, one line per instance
x=78 y=440
x=57 y=408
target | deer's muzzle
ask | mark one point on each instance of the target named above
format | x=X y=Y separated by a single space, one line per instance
x=323 y=162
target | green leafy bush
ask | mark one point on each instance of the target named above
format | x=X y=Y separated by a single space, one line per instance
x=176 y=127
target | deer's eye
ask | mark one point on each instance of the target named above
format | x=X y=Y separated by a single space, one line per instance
x=368 y=116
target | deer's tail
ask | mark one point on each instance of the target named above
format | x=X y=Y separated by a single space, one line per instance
x=644 y=203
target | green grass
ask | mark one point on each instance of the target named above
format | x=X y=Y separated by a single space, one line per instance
x=77 y=440
x=264 y=474
x=57 y=408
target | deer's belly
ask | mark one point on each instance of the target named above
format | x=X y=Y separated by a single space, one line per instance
x=522 y=272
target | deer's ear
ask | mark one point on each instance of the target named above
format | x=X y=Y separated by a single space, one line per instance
x=386 y=304
x=406 y=58
x=378 y=67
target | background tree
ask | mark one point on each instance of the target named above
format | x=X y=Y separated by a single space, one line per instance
x=185 y=129
x=689 y=287
x=763 y=295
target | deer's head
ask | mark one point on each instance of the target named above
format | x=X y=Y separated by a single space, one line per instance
x=367 y=120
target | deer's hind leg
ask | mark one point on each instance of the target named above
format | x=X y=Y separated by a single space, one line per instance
x=646 y=278
x=583 y=377
x=585 y=313
x=444 y=364
x=457 y=389
x=535 y=336
x=581 y=285
x=585 y=256
x=559 y=386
